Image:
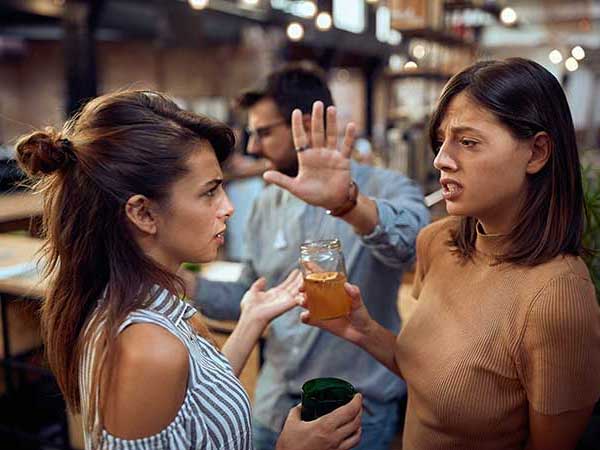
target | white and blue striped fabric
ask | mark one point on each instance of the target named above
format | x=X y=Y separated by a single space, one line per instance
x=215 y=414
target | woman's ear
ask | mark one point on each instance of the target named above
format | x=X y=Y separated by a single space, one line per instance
x=140 y=214
x=541 y=147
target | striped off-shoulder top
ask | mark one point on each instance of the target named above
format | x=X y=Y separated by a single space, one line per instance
x=215 y=414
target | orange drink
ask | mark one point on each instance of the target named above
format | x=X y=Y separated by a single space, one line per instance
x=325 y=295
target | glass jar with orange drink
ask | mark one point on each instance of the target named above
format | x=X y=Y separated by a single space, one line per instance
x=324 y=271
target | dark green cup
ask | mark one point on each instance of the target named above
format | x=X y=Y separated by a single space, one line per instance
x=320 y=396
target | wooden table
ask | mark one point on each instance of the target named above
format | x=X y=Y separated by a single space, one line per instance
x=18 y=209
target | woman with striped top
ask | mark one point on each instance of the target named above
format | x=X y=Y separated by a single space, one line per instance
x=133 y=188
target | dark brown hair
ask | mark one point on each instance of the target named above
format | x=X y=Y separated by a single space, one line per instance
x=526 y=99
x=119 y=145
x=294 y=85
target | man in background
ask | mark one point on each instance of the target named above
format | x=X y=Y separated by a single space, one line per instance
x=377 y=223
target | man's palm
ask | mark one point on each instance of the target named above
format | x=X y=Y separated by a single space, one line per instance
x=323 y=171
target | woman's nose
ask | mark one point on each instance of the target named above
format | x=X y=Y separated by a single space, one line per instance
x=227 y=208
x=443 y=160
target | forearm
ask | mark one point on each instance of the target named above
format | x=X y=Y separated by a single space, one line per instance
x=238 y=347
x=364 y=216
x=393 y=240
x=380 y=343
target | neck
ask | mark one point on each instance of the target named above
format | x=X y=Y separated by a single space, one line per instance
x=490 y=243
x=493 y=228
x=502 y=218
x=156 y=255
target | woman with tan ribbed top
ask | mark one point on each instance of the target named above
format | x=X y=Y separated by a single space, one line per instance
x=503 y=349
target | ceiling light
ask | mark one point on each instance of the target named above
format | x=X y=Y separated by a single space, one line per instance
x=306 y=9
x=250 y=2
x=571 y=64
x=323 y=21
x=198 y=4
x=395 y=37
x=555 y=56
x=395 y=62
x=372 y=2
x=410 y=65
x=418 y=51
x=295 y=31
x=578 y=52
x=508 y=16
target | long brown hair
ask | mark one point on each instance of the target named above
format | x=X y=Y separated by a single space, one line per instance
x=527 y=99
x=121 y=144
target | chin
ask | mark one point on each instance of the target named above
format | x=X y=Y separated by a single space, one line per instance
x=455 y=210
x=206 y=257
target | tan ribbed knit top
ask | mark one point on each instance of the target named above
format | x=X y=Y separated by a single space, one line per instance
x=485 y=341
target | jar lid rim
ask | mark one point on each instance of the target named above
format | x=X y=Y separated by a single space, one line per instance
x=320 y=244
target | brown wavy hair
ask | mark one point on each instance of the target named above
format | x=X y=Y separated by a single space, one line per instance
x=526 y=99
x=118 y=145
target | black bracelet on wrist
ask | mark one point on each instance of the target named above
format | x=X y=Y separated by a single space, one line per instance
x=348 y=205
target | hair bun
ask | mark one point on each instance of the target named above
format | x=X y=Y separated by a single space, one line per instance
x=44 y=152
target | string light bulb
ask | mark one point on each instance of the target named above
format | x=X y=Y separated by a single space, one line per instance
x=508 y=16
x=198 y=4
x=571 y=64
x=295 y=31
x=419 y=51
x=555 y=56
x=323 y=21
x=578 y=52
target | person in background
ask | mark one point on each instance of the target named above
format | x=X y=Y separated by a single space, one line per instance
x=133 y=188
x=375 y=213
x=503 y=349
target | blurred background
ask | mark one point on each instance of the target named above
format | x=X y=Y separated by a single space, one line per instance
x=386 y=61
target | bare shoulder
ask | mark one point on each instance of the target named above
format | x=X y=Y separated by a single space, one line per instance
x=148 y=382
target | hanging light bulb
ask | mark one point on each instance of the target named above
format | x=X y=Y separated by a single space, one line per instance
x=578 y=52
x=323 y=21
x=395 y=62
x=395 y=37
x=306 y=9
x=508 y=16
x=555 y=56
x=198 y=4
x=418 y=51
x=295 y=31
x=571 y=64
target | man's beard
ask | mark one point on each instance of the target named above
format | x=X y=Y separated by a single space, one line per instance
x=291 y=170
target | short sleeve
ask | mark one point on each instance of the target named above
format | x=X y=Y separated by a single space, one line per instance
x=559 y=355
